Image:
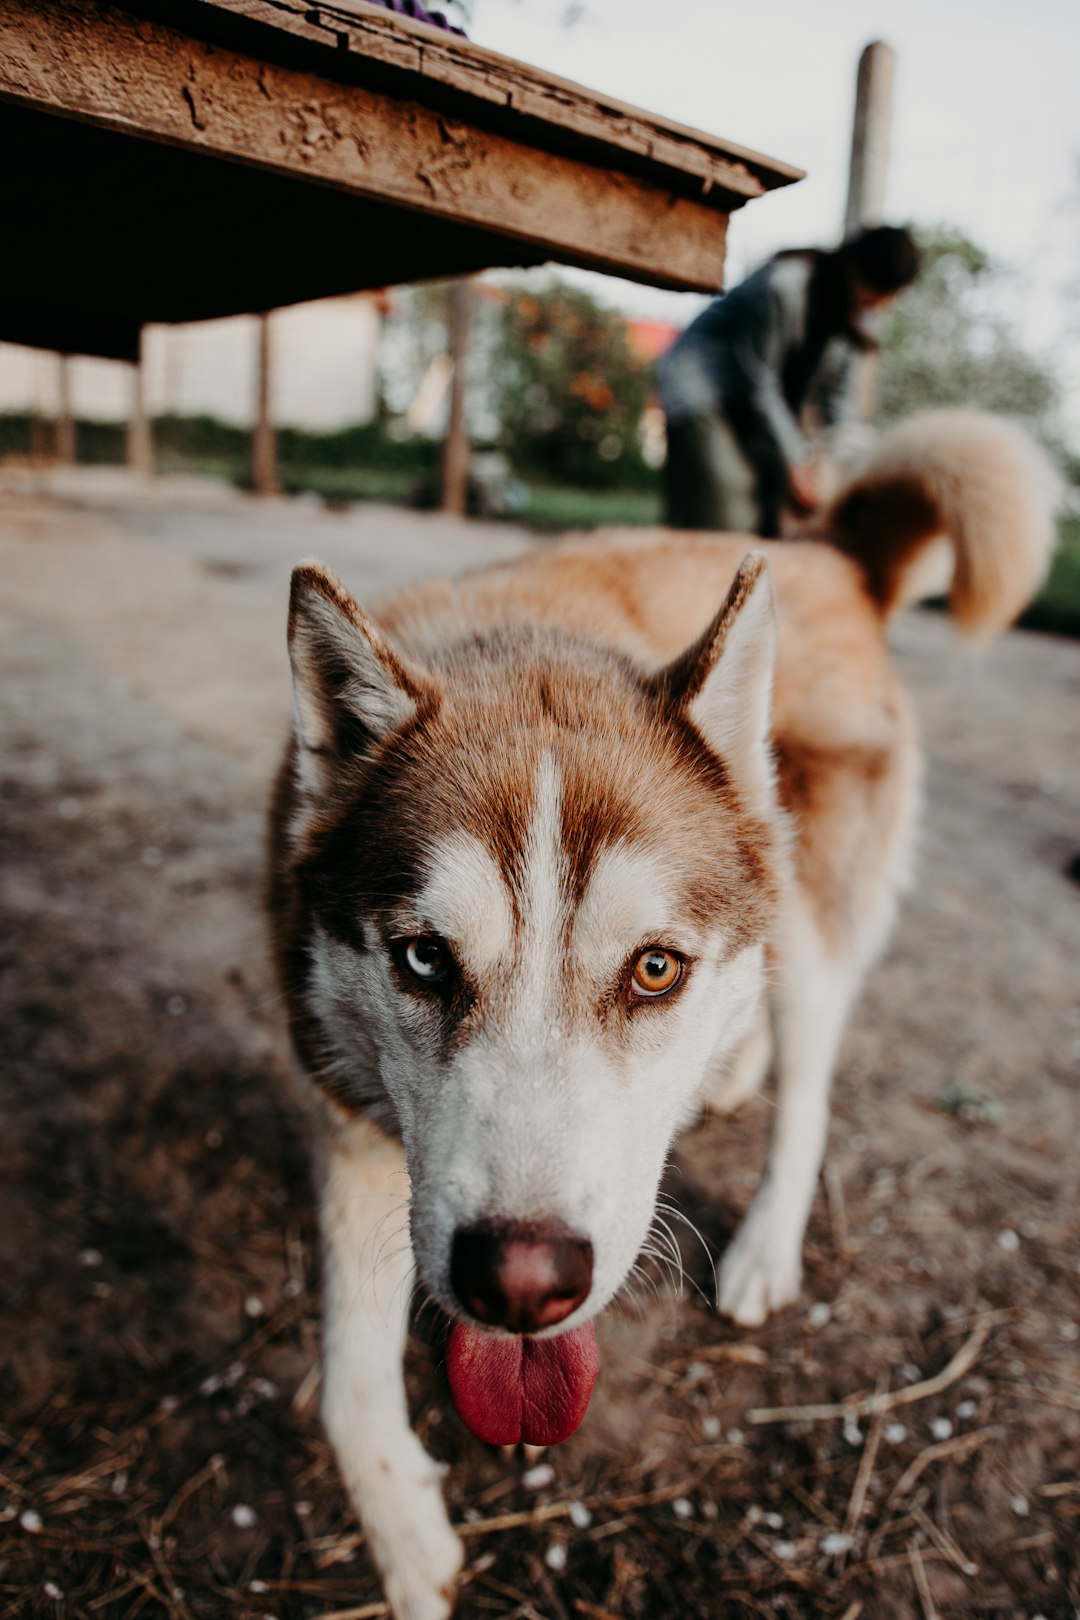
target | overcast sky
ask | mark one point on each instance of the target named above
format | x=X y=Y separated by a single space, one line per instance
x=986 y=131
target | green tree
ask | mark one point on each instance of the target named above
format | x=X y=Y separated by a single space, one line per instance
x=566 y=388
x=946 y=342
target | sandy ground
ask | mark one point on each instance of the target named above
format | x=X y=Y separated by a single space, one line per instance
x=159 y=1314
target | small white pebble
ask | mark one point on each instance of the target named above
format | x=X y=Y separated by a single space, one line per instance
x=775 y=1521
x=710 y=1426
x=895 y=1433
x=682 y=1507
x=819 y=1314
x=852 y=1432
x=555 y=1556
x=234 y=1372
x=51 y=1590
x=911 y=1372
x=253 y=1306
x=265 y=1389
x=244 y=1517
x=1020 y=1505
x=1069 y=1332
x=1008 y=1240
x=580 y=1517
x=785 y=1550
x=538 y=1478
x=151 y=856
x=176 y=1006
x=119 y=1482
x=941 y=1429
x=967 y=1409
x=211 y=1384
x=292 y=1287
x=302 y=1510
x=734 y=1437
x=258 y=1586
x=30 y=1521
x=90 y=1258
x=1029 y=1229
x=710 y=1510
x=695 y=1372
x=836 y=1543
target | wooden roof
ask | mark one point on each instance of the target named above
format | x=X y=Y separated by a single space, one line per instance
x=193 y=158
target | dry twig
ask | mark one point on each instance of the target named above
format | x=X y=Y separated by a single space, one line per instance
x=872 y=1405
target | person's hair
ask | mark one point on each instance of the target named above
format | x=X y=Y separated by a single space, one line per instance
x=883 y=257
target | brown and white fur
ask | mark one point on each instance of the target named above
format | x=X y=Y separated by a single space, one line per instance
x=627 y=743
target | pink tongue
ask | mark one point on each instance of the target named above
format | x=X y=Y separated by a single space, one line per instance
x=535 y=1390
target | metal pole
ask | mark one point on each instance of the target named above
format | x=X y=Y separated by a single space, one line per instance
x=455 y=454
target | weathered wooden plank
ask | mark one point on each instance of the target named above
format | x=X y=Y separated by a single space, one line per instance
x=102 y=64
x=517 y=89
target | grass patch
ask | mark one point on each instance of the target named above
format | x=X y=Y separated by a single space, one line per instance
x=1057 y=606
x=553 y=507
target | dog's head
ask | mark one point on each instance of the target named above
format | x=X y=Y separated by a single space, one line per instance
x=532 y=886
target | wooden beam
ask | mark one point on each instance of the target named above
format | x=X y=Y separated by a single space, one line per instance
x=385 y=49
x=100 y=64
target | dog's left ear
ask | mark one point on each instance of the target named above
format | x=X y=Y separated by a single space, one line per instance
x=351 y=687
x=723 y=682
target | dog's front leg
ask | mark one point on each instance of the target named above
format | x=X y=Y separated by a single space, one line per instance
x=762 y=1267
x=368 y=1267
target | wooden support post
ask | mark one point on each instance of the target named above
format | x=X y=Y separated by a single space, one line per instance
x=140 y=444
x=64 y=441
x=868 y=172
x=263 y=438
x=455 y=452
x=870 y=137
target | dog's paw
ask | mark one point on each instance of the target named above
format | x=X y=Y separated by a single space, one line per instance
x=760 y=1271
x=421 y=1559
x=420 y=1584
x=397 y=1491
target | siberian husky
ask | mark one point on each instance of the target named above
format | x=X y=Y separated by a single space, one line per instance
x=563 y=851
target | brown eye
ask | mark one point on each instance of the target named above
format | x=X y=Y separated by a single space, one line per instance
x=656 y=972
x=426 y=957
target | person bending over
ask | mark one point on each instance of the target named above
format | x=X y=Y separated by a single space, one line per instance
x=738 y=384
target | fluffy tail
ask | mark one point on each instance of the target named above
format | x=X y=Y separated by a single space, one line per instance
x=956 y=481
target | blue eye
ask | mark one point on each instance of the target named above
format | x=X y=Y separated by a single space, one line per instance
x=427 y=958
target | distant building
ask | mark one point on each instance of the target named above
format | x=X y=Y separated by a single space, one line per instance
x=323 y=372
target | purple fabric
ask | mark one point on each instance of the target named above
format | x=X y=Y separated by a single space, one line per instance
x=414 y=10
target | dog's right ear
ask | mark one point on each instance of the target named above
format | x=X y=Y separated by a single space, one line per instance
x=723 y=682
x=350 y=686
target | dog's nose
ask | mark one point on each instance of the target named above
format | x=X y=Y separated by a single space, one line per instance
x=522 y=1278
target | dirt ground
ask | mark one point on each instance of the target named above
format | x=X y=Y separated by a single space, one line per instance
x=162 y=1454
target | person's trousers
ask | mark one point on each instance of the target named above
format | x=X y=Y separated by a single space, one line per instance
x=709 y=481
